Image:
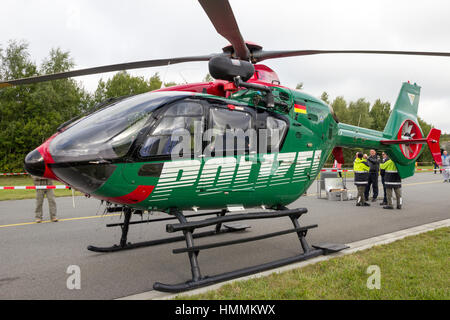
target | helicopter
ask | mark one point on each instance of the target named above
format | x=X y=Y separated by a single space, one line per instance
x=242 y=141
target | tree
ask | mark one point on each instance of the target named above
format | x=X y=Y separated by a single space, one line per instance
x=123 y=84
x=299 y=86
x=155 y=82
x=380 y=114
x=29 y=114
x=325 y=98
x=16 y=63
x=358 y=113
x=208 y=78
x=339 y=106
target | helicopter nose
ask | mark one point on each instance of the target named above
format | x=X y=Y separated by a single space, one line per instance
x=34 y=163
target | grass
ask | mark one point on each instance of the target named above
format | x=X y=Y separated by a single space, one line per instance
x=412 y=268
x=26 y=194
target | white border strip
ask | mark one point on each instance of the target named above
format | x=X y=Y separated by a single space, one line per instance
x=33 y=187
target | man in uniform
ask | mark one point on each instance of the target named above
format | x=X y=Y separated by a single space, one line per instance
x=384 y=158
x=374 y=164
x=361 y=170
x=393 y=183
x=40 y=194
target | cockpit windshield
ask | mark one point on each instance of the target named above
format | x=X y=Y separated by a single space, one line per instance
x=109 y=132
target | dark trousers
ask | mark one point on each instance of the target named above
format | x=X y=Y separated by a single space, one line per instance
x=436 y=168
x=373 y=180
x=384 y=190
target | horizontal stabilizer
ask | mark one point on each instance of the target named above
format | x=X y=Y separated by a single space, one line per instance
x=432 y=140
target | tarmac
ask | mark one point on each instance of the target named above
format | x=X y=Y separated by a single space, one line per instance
x=34 y=258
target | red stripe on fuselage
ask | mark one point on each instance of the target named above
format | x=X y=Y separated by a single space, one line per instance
x=139 y=194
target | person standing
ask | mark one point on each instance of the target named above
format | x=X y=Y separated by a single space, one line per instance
x=393 y=183
x=361 y=170
x=446 y=166
x=338 y=167
x=384 y=158
x=436 y=167
x=40 y=194
x=374 y=164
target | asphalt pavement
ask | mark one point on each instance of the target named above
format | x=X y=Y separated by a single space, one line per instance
x=34 y=258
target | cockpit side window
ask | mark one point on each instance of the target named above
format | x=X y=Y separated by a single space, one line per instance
x=179 y=123
x=276 y=131
x=110 y=132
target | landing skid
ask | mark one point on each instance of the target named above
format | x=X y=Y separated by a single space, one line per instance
x=192 y=250
x=223 y=224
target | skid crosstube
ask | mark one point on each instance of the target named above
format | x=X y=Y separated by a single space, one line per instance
x=124 y=245
x=198 y=280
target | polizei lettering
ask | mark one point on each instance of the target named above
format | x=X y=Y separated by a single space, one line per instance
x=214 y=174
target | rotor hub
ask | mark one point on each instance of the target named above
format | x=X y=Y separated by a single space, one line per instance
x=252 y=47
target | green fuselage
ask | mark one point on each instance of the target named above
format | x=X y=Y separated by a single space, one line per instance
x=138 y=176
x=241 y=180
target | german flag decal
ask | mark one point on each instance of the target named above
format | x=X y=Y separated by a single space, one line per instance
x=299 y=108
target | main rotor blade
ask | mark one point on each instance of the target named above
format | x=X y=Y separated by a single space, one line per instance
x=263 y=55
x=222 y=17
x=107 y=68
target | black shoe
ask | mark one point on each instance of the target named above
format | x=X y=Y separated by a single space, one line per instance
x=399 y=207
x=388 y=207
x=365 y=204
x=384 y=203
x=358 y=204
x=374 y=199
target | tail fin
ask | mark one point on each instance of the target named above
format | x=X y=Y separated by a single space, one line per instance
x=404 y=134
x=405 y=108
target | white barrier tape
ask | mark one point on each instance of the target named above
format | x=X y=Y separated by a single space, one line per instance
x=349 y=170
x=335 y=170
x=34 y=187
x=14 y=174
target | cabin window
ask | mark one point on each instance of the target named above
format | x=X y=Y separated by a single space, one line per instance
x=178 y=125
x=229 y=132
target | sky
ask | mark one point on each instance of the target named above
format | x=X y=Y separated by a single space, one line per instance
x=104 y=32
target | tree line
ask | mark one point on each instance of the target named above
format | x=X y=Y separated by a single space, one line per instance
x=29 y=114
